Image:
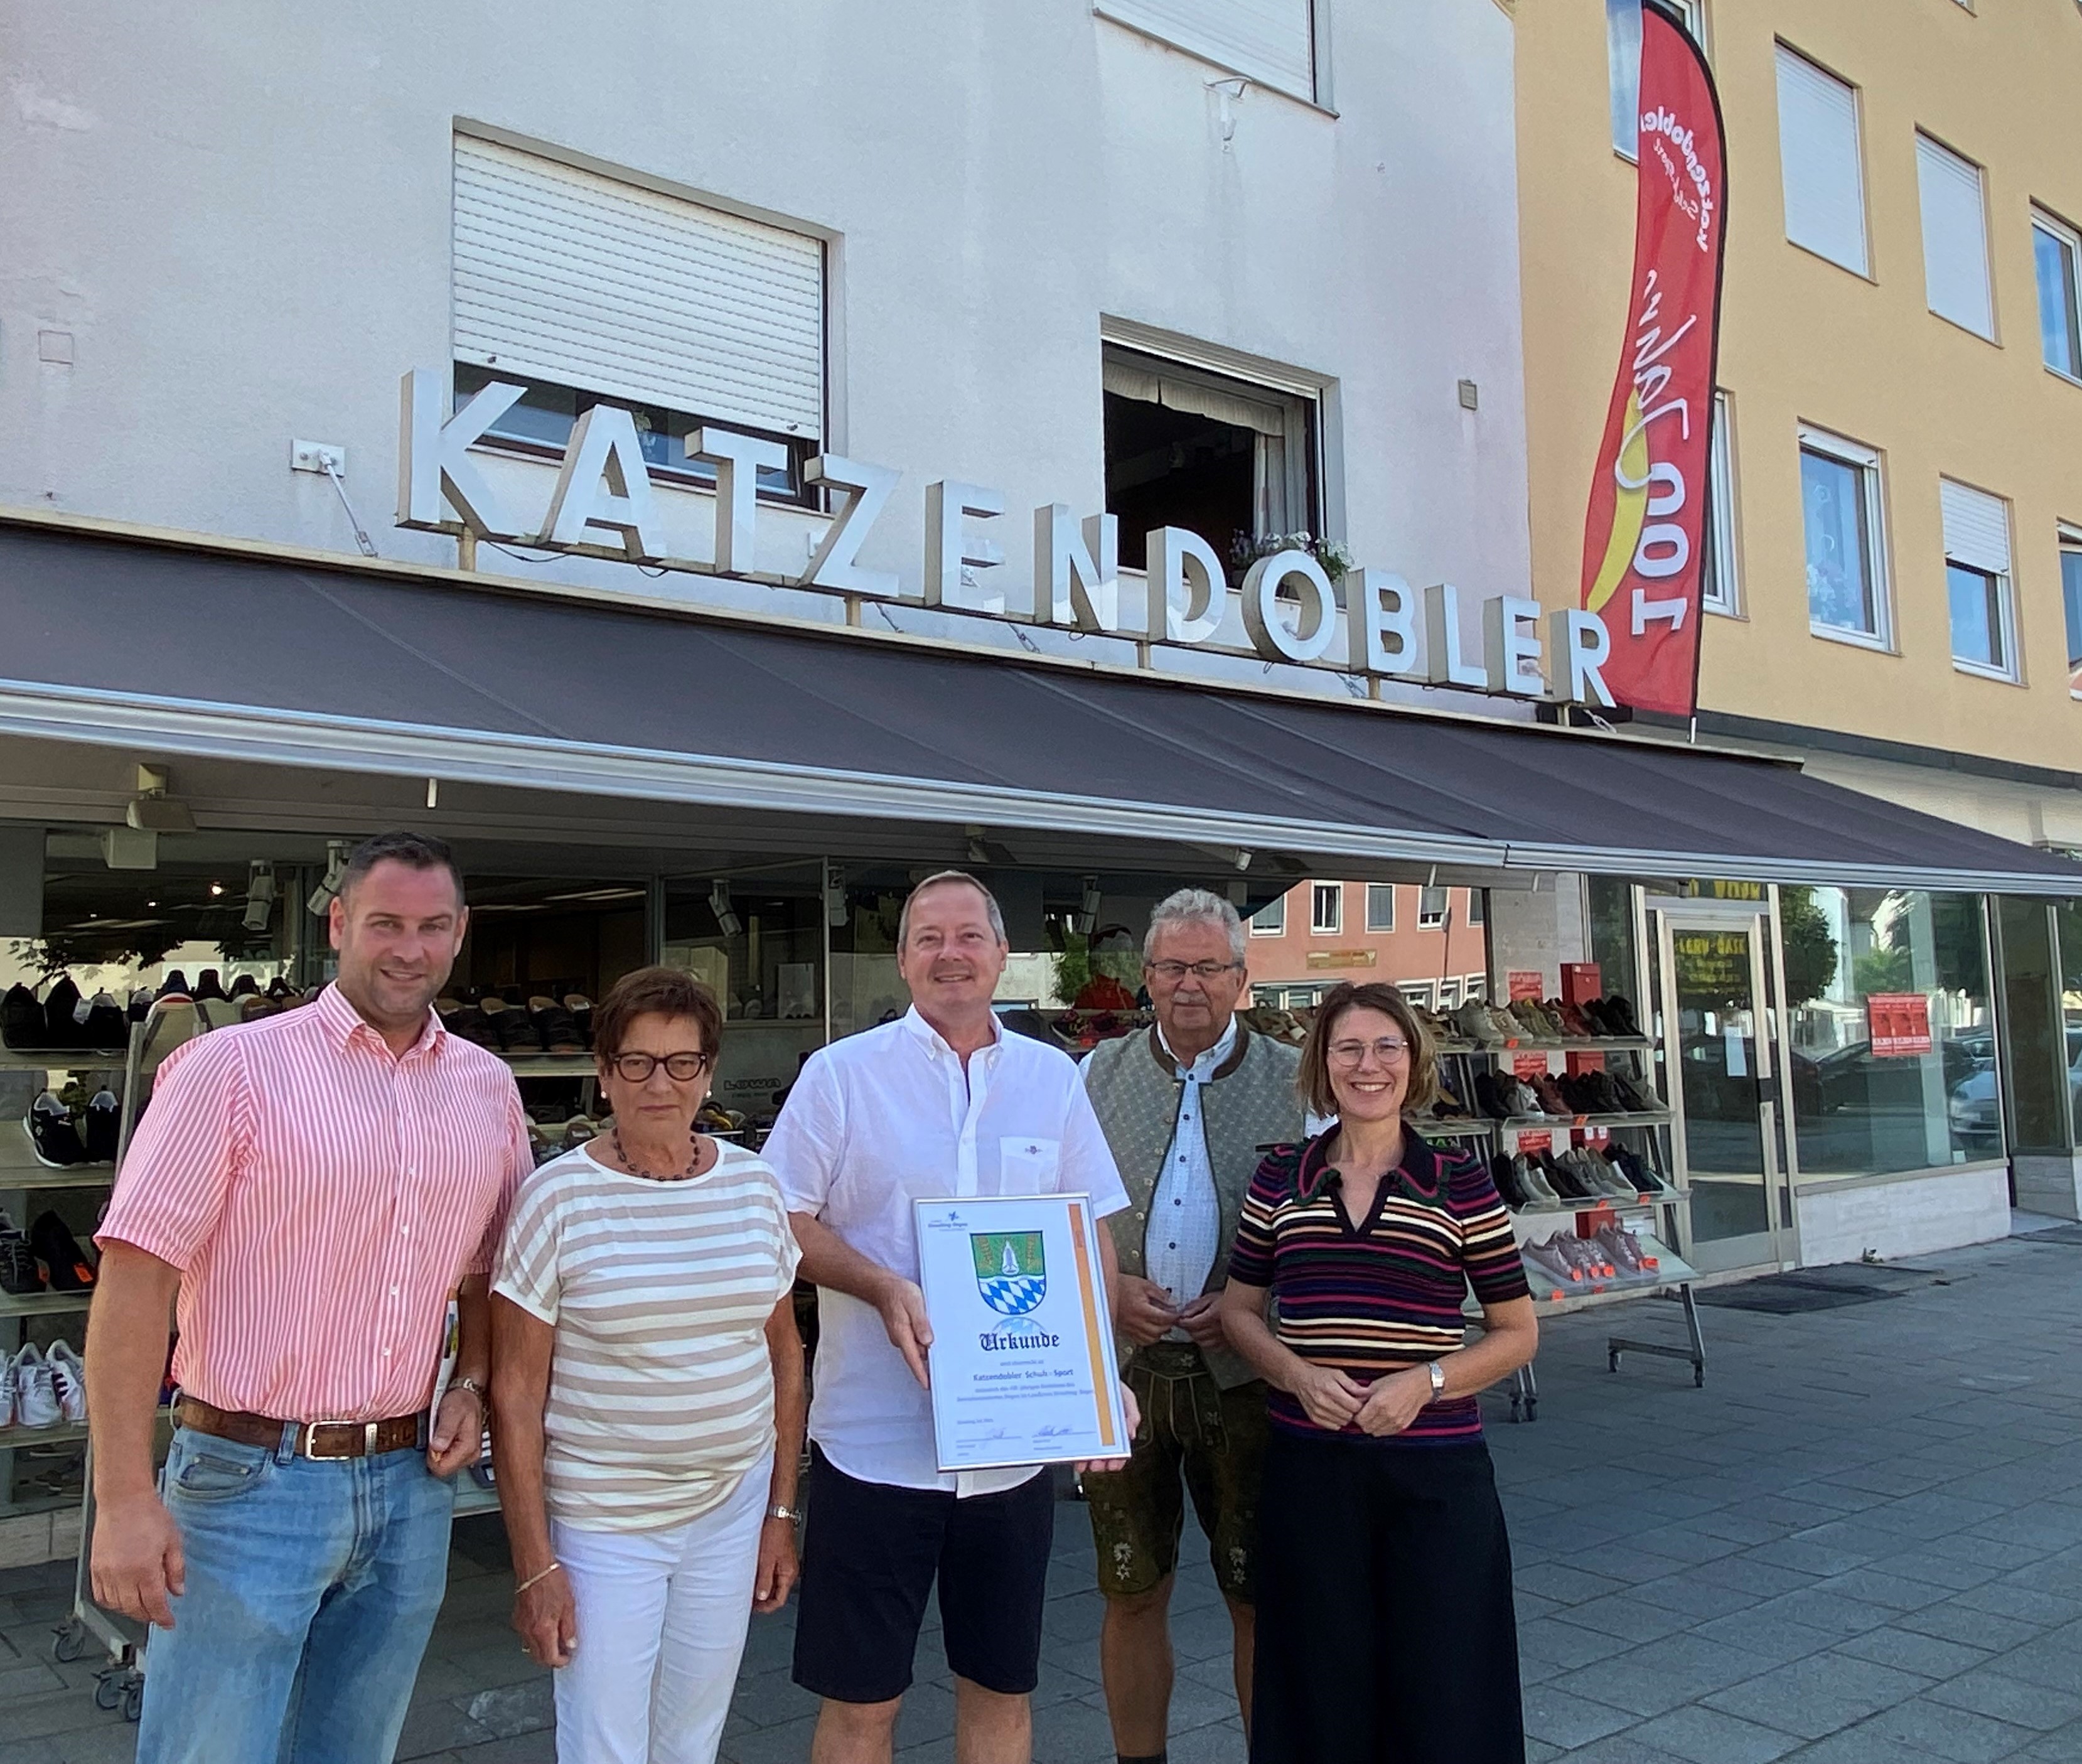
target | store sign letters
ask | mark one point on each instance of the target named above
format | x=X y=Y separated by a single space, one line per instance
x=603 y=505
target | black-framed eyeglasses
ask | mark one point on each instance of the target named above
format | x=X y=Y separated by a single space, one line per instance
x=637 y=1068
x=1199 y=970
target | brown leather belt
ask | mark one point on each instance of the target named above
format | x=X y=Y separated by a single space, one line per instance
x=309 y=1439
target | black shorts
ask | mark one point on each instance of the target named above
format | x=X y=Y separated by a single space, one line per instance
x=869 y=1555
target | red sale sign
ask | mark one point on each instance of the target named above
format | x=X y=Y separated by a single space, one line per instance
x=1645 y=538
x=1899 y=1023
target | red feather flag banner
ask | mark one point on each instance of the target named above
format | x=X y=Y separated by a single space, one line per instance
x=1644 y=539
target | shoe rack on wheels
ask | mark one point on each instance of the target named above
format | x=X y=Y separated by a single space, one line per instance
x=119 y=1685
x=1653 y=1218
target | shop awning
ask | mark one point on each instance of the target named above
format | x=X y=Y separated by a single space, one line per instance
x=180 y=648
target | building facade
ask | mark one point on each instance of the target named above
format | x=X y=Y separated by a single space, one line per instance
x=1894 y=585
x=1429 y=942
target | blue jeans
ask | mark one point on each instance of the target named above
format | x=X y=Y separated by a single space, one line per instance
x=311 y=1589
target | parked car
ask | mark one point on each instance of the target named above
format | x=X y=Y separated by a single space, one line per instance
x=1975 y=1109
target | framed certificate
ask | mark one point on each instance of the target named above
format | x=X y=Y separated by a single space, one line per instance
x=1022 y=1360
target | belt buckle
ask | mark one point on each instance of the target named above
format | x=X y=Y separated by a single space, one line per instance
x=307 y=1445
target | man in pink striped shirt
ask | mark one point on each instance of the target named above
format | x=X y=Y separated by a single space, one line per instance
x=316 y=1187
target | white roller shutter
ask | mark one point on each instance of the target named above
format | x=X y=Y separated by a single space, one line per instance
x=1818 y=150
x=1955 y=238
x=564 y=276
x=1272 y=41
x=1977 y=528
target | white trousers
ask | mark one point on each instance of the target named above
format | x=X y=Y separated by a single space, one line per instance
x=661 y=1621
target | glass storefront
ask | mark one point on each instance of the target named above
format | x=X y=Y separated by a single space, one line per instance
x=1894 y=1040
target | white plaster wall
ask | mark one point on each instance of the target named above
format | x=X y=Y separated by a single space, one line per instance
x=240 y=216
x=1916 y=1216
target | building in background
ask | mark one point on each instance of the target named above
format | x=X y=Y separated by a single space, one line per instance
x=1429 y=942
x=1894 y=592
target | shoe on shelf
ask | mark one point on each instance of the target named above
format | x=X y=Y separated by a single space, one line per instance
x=19 y=1272
x=1618 y=1013
x=208 y=984
x=1489 y=1098
x=1509 y=1030
x=141 y=1004
x=581 y=1010
x=35 y=1392
x=513 y=1032
x=107 y=1028
x=6 y=1392
x=59 y=1251
x=105 y=1126
x=1450 y=1107
x=244 y=985
x=1539 y=1191
x=279 y=990
x=1505 y=1179
x=1555 y=1270
x=1471 y=1021
x=554 y=1023
x=62 y=1023
x=1550 y=1098
x=69 y=1378
x=1635 y=1094
x=52 y=1134
x=21 y=1018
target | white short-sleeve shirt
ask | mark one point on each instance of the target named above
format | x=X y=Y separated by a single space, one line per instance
x=888 y=1118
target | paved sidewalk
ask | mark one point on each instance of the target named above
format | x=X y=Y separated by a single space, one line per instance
x=1861 y=1541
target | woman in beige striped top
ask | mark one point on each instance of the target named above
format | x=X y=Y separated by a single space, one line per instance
x=647 y=1396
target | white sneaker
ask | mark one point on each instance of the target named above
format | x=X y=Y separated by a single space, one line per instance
x=68 y=1376
x=6 y=1391
x=36 y=1393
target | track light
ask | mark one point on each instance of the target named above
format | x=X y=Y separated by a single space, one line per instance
x=1088 y=909
x=337 y=853
x=719 y=905
x=259 y=895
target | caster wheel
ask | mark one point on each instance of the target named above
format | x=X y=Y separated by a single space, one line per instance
x=133 y=1700
x=69 y=1643
x=107 y=1692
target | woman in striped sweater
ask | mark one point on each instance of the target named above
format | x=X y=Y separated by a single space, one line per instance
x=1385 y=1627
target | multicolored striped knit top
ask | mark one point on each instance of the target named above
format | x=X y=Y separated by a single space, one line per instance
x=1385 y=1294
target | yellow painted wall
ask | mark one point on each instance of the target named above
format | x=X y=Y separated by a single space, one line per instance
x=1803 y=340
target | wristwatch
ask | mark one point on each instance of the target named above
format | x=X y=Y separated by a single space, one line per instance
x=473 y=1387
x=778 y=1511
x=1438 y=1378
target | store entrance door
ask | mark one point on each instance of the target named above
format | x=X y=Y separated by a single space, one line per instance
x=1719 y=1061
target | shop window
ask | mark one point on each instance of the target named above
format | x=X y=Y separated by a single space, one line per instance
x=1819 y=162
x=1623 y=62
x=587 y=289
x=1477 y=906
x=1271 y=919
x=1326 y=908
x=1381 y=906
x=756 y=940
x=1868 y=1106
x=2038 y=1068
x=2057 y=258
x=1449 y=993
x=1977 y=580
x=1431 y=909
x=1720 y=589
x=1955 y=238
x=1270 y=41
x=1229 y=459
x=2071 y=597
x=1841 y=507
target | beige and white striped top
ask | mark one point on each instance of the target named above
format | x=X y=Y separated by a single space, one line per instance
x=661 y=1393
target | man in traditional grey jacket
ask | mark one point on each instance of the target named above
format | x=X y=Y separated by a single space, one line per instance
x=1186 y=1108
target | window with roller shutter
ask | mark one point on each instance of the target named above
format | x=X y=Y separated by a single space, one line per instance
x=1270 y=41
x=1819 y=163
x=587 y=289
x=1977 y=580
x=1955 y=238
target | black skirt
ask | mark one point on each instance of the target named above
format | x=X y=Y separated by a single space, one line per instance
x=1385 y=1627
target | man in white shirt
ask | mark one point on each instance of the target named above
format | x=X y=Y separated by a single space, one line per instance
x=1185 y=1109
x=943 y=1103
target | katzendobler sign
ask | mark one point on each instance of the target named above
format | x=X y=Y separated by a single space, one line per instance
x=603 y=505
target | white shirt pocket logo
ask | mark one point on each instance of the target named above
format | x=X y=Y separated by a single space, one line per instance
x=1028 y=1166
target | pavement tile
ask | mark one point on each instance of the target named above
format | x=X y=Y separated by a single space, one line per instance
x=1988 y=1691
x=1817 y=1695
x=1977 y=1629
x=2007 y=1599
x=1867 y=1743
x=1958 y=1735
x=1654 y=1679
x=1706 y=1736
x=2053 y=1659
x=1927 y=1654
x=1568 y=1720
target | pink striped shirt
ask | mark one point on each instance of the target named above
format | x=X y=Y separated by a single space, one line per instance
x=323 y=1197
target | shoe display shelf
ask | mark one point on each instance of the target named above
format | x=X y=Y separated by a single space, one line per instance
x=1653 y=1218
x=25 y=1180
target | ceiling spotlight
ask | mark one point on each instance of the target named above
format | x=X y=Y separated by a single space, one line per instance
x=153 y=809
x=217 y=888
x=1088 y=909
x=337 y=853
x=259 y=895
x=977 y=854
x=1242 y=860
x=719 y=905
